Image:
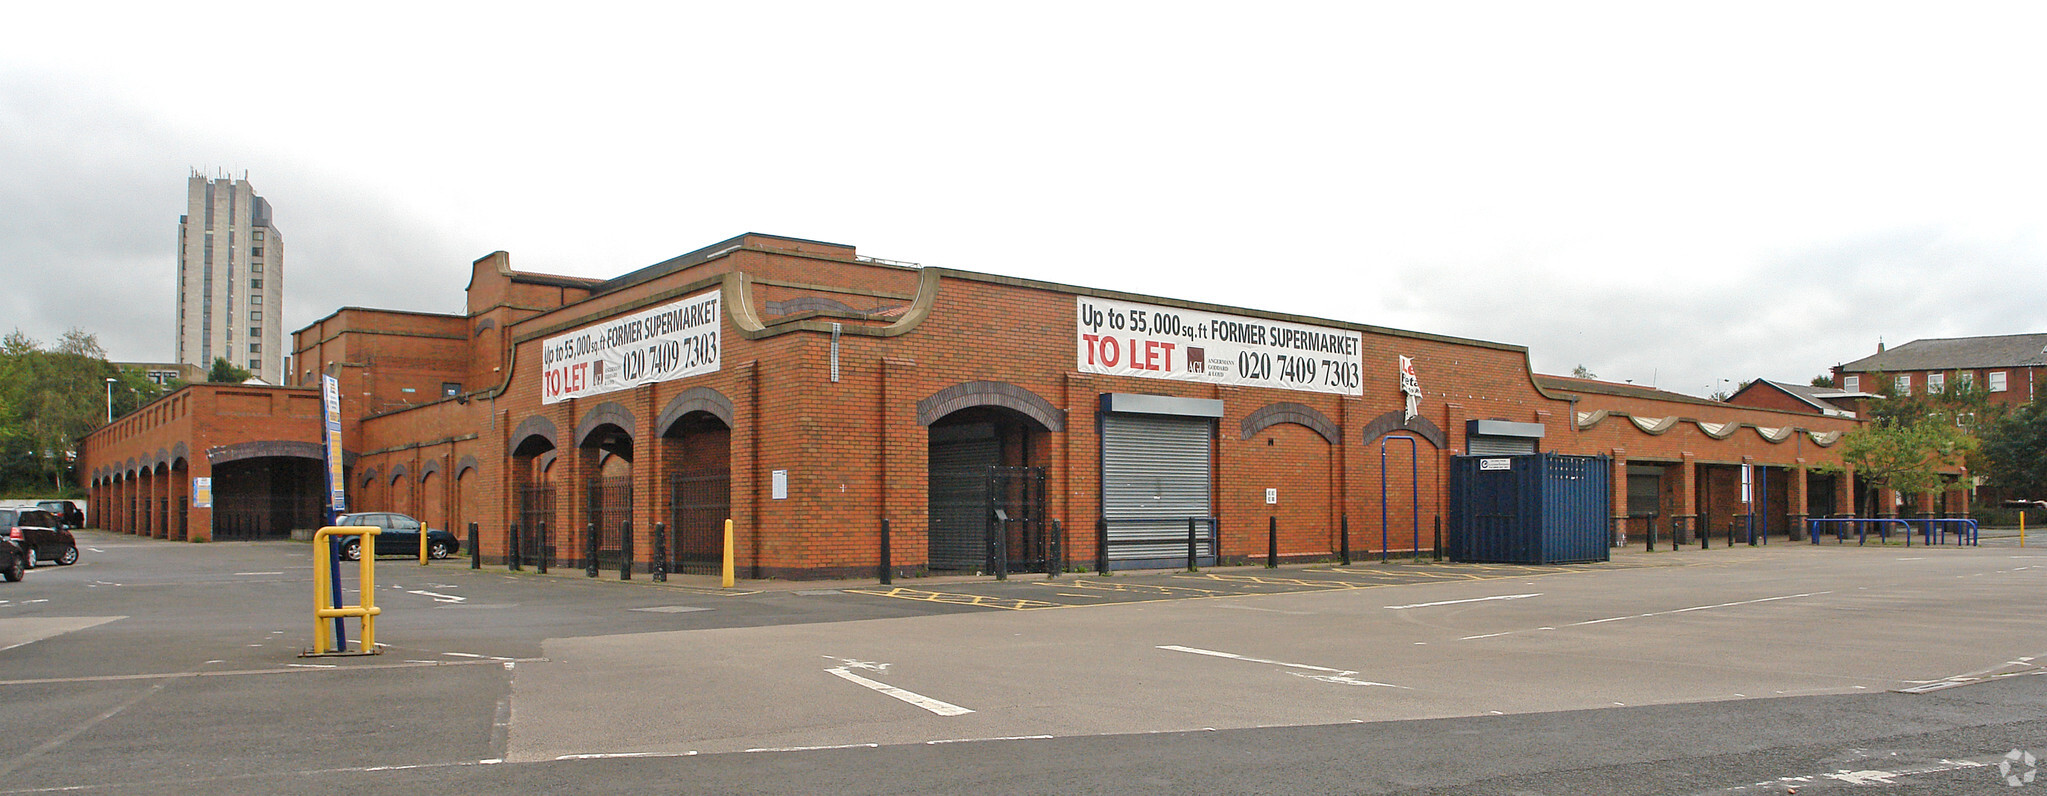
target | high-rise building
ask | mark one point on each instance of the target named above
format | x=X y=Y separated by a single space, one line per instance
x=230 y=279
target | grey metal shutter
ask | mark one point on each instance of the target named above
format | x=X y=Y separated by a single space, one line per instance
x=961 y=457
x=1155 y=475
x=1486 y=445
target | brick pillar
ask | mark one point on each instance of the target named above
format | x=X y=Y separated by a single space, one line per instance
x=749 y=485
x=905 y=463
x=650 y=469
x=1688 y=499
x=1618 y=495
x=1798 y=500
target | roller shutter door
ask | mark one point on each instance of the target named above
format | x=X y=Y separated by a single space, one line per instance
x=1486 y=445
x=1155 y=475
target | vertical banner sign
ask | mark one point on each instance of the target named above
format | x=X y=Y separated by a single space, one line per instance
x=1410 y=386
x=668 y=342
x=337 y=483
x=1120 y=338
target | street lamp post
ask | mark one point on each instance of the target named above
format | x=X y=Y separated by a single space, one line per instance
x=110 y=399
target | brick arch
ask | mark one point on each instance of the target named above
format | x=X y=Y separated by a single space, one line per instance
x=970 y=394
x=695 y=399
x=485 y=325
x=1396 y=420
x=179 y=451
x=288 y=449
x=432 y=466
x=535 y=426
x=398 y=472
x=609 y=413
x=468 y=463
x=129 y=468
x=369 y=476
x=163 y=457
x=1273 y=414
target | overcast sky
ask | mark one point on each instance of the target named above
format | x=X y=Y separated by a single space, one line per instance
x=1673 y=194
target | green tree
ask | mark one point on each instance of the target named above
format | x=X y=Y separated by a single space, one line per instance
x=49 y=398
x=1909 y=441
x=225 y=372
x=1823 y=380
x=1583 y=372
x=2014 y=453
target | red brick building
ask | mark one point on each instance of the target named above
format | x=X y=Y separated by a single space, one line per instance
x=2008 y=368
x=811 y=394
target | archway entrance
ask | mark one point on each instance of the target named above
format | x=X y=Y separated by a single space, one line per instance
x=986 y=499
x=698 y=451
x=266 y=497
x=531 y=540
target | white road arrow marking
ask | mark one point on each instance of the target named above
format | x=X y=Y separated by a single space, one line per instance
x=844 y=671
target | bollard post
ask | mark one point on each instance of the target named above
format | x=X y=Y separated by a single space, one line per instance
x=725 y=576
x=512 y=548
x=1190 y=546
x=1651 y=544
x=1705 y=536
x=1056 y=560
x=1439 y=540
x=625 y=550
x=1271 y=542
x=1676 y=538
x=590 y=549
x=546 y=550
x=1102 y=545
x=887 y=575
x=660 y=552
x=1345 y=524
x=999 y=544
x=475 y=553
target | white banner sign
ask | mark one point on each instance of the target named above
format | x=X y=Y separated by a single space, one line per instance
x=1118 y=338
x=670 y=342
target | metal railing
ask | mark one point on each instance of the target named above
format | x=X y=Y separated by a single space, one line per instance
x=1965 y=529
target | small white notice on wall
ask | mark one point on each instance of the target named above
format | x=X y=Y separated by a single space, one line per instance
x=781 y=484
x=1271 y=497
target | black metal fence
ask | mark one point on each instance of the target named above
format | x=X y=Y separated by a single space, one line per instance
x=610 y=507
x=701 y=500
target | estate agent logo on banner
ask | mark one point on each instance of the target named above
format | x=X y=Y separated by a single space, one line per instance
x=1412 y=387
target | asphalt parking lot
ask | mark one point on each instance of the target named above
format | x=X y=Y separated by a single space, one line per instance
x=153 y=665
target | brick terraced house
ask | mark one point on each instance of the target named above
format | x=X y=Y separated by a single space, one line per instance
x=811 y=394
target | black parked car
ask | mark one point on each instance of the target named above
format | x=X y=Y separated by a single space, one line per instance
x=11 y=564
x=398 y=536
x=67 y=512
x=41 y=536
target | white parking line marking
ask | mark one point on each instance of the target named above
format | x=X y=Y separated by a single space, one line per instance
x=1699 y=608
x=1337 y=676
x=260 y=573
x=439 y=598
x=1459 y=602
x=845 y=671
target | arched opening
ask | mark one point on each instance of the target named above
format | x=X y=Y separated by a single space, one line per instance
x=533 y=491
x=181 y=499
x=607 y=457
x=433 y=507
x=697 y=452
x=265 y=497
x=986 y=500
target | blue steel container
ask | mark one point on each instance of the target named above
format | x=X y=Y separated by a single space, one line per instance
x=1540 y=508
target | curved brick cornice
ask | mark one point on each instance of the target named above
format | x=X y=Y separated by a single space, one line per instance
x=465 y=465
x=1396 y=420
x=265 y=449
x=694 y=399
x=609 y=413
x=535 y=426
x=970 y=394
x=1273 y=414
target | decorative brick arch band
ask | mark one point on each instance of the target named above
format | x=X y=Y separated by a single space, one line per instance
x=369 y=477
x=397 y=473
x=180 y=453
x=609 y=413
x=286 y=449
x=535 y=426
x=968 y=395
x=468 y=463
x=694 y=399
x=432 y=466
x=1273 y=414
x=1396 y=420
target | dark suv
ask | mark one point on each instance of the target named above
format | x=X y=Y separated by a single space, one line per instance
x=67 y=512
x=40 y=535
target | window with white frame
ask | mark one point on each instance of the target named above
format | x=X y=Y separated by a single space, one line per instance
x=1965 y=379
x=1936 y=383
x=1851 y=383
x=1997 y=381
x=1902 y=384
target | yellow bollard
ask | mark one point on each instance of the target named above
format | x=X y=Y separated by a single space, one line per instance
x=728 y=555
x=324 y=607
x=2022 y=527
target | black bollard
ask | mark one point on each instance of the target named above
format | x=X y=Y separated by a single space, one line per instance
x=475 y=553
x=1271 y=542
x=1055 y=562
x=887 y=567
x=660 y=552
x=625 y=550
x=546 y=550
x=1345 y=524
x=512 y=548
x=1190 y=545
x=590 y=549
